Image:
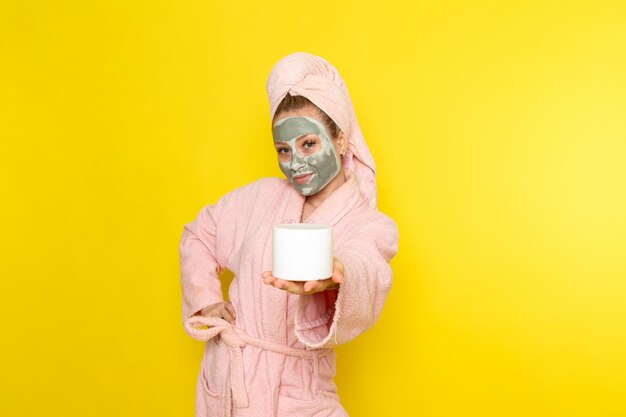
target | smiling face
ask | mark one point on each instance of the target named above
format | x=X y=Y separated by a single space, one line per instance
x=306 y=153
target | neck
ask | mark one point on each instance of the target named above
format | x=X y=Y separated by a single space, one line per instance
x=316 y=199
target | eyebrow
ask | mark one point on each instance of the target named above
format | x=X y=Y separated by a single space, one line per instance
x=297 y=137
x=304 y=136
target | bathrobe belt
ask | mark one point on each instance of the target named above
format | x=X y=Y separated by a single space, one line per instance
x=236 y=339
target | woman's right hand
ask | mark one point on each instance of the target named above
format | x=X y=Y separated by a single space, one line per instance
x=223 y=310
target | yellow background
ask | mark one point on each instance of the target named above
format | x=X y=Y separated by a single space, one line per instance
x=499 y=133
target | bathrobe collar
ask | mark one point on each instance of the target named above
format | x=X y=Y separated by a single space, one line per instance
x=332 y=209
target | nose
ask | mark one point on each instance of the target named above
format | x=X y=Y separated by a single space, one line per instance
x=297 y=163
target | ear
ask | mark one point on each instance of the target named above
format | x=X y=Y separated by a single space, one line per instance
x=343 y=142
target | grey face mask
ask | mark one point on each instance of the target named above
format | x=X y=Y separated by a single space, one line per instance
x=323 y=165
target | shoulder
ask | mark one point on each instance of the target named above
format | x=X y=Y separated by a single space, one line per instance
x=369 y=223
x=370 y=218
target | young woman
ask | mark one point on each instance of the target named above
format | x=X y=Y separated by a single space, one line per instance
x=269 y=351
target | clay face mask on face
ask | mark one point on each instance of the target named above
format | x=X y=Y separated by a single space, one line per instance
x=322 y=165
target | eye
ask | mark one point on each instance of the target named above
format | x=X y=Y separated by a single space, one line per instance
x=282 y=150
x=308 y=144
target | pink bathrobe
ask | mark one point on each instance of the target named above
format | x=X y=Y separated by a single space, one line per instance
x=277 y=359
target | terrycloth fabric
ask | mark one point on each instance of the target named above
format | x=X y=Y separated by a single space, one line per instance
x=277 y=359
x=311 y=76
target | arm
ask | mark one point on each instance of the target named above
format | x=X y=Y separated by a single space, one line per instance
x=337 y=316
x=199 y=265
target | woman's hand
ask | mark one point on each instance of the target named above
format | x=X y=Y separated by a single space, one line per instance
x=307 y=287
x=223 y=310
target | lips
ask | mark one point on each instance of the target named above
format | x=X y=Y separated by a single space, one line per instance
x=303 y=178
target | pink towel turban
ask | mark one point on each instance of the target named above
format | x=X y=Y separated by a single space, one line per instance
x=310 y=76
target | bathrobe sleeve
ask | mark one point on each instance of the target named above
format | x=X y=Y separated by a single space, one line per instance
x=333 y=317
x=201 y=261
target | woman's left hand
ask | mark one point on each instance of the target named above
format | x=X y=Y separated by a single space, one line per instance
x=307 y=287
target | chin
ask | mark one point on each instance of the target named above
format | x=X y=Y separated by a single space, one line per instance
x=305 y=193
